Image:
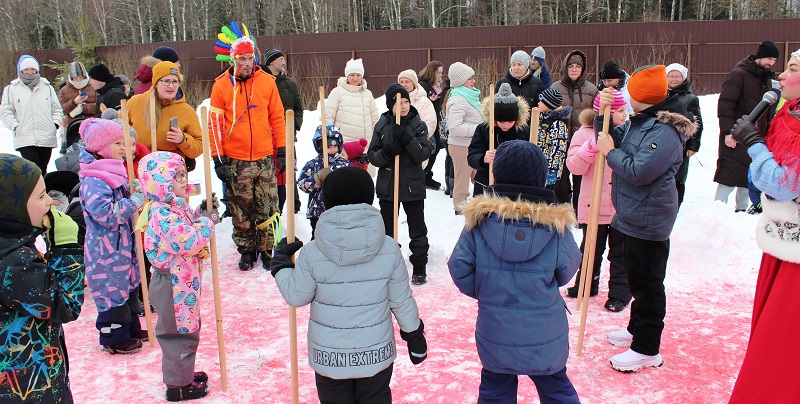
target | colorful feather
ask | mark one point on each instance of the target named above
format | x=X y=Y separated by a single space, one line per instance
x=235 y=28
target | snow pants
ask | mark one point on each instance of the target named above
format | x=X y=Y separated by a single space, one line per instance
x=252 y=199
x=417 y=231
x=646 y=263
x=501 y=388
x=367 y=390
x=118 y=324
x=618 y=277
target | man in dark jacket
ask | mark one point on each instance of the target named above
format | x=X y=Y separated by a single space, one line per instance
x=523 y=82
x=275 y=64
x=741 y=92
x=678 y=81
x=110 y=89
x=409 y=140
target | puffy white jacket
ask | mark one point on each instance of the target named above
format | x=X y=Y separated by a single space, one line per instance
x=31 y=114
x=462 y=119
x=355 y=278
x=420 y=101
x=352 y=109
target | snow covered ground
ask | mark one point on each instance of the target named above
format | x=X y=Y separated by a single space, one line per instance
x=710 y=284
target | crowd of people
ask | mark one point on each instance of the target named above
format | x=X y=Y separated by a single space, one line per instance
x=526 y=195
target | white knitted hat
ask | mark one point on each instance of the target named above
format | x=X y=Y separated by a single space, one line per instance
x=459 y=73
x=354 y=66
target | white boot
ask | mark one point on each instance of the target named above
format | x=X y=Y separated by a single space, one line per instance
x=632 y=361
x=620 y=338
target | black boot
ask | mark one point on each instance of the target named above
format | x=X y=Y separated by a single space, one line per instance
x=191 y=391
x=573 y=291
x=247 y=260
x=266 y=259
x=431 y=183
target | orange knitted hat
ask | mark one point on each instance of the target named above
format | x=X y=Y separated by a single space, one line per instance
x=648 y=84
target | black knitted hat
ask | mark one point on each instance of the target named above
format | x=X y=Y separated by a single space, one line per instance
x=519 y=162
x=611 y=70
x=767 y=49
x=347 y=186
x=390 y=93
x=506 y=108
x=270 y=55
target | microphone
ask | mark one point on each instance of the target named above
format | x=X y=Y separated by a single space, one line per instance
x=770 y=97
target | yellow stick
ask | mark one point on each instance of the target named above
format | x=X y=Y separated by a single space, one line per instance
x=535 y=125
x=396 y=171
x=491 y=130
x=591 y=231
x=322 y=119
x=290 y=180
x=153 y=123
x=223 y=366
x=137 y=235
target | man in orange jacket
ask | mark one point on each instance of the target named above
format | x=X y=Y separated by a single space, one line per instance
x=246 y=114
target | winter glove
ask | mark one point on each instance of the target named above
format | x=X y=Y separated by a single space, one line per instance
x=397 y=132
x=137 y=196
x=588 y=150
x=282 y=255
x=319 y=177
x=223 y=170
x=745 y=132
x=61 y=229
x=406 y=138
x=417 y=346
x=212 y=214
x=281 y=160
x=393 y=148
x=214 y=203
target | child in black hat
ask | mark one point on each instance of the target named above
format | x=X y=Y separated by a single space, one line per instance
x=353 y=275
x=554 y=133
x=511 y=116
x=409 y=140
x=515 y=252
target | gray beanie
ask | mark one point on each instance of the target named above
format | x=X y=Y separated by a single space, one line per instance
x=521 y=57
x=538 y=53
x=459 y=73
x=506 y=108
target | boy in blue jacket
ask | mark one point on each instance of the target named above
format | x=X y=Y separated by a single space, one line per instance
x=515 y=252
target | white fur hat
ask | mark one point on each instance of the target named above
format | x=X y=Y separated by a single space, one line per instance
x=354 y=66
x=459 y=73
x=680 y=68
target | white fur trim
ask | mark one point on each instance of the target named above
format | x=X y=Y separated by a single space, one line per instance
x=778 y=230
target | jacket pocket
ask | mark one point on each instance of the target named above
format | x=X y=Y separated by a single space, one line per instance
x=632 y=205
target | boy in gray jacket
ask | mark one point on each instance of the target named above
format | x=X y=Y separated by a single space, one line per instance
x=353 y=275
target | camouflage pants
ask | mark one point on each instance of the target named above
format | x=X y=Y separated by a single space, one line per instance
x=252 y=200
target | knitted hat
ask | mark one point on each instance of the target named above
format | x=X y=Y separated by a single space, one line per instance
x=551 y=97
x=99 y=134
x=18 y=177
x=521 y=57
x=538 y=53
x=519 y=162
x=355 y=148
x=390 y=93
x=100 y=72
x=575 y=59
x=162 y=69
x=767 y=49
x=112 y=115
x=648 y=84
x=409 y=74
x=459 y=73
x=354 y=66
x=77 y=69
x=166 y=53
x=506 y=108
x=619 y=101
x=27 y=61
x=611 y=70
x=680 y=68
x=124 y=79
x=347 y=186
x=270 y=55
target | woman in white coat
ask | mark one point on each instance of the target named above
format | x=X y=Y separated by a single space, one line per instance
x=350 y=106
x=463 y=116
x=30 y=108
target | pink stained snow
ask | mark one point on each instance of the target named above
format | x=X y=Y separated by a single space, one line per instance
x=710 y=284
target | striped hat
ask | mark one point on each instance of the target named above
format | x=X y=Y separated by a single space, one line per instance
x=77 y=69
x=270 y=55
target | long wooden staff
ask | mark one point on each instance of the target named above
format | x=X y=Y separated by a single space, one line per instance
x=137 y=235
x=223 y=366
x=322 y=119
x=153 y=123
x=591 y=233
x=535 y=125
x=290 y=180
x=491 y=130
x=396 y=171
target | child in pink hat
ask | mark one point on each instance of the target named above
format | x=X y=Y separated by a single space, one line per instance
x=354 y=152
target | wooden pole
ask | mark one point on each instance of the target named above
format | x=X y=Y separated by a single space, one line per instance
x=290 y=180
x=491 y=130
x=153 y=123
x=396 y=171
x=323 y=118
x=223 y=366
x=137 y=235
x=535 y=125
x=591 y=231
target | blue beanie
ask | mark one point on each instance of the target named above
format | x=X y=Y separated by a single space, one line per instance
x=519 y=162
x=166 y=54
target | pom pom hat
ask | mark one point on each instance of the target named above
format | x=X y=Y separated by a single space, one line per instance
x=99 y=134
x=355 y=148
x=354 y=66
x=506 y=108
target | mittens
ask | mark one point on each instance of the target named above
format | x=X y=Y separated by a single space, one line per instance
x=214 y=203
x=319 y=177
x=282 y=255
x=222 y=170
x=62 y=230
x=417 y=346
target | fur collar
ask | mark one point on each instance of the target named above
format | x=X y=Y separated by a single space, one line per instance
x=522 y=118
x=559 y=217
x=681 y=123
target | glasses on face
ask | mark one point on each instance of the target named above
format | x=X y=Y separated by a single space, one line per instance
x=181 y=176
x=170 y=83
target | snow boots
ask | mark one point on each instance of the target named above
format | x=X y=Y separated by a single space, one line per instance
x=266 y=259
x=132 y=346
x=247 y=260
x=191 y=391
x=573 y=291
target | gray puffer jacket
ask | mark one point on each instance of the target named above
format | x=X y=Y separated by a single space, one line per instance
x=355 y=278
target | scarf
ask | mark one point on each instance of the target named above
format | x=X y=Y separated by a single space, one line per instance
x=783 y=140
x=30 y=80
x=112 y=171
x=78 y=84
x=472 y=95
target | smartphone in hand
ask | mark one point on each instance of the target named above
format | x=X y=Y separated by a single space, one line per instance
x=173 y=122
x=83 y=93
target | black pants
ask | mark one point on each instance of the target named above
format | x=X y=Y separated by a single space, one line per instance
x=618 y=277
x=417 y=231
x=646 y=263
x=37 y=155
x=563 y=188
x=681 y=191
x=367 y=390
x=313 y=221
x=432 y=159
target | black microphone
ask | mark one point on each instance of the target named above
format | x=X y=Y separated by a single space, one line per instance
x=770 y=97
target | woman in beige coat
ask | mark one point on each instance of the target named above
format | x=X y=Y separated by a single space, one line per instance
x=350 y=106
x=463 y=116
x=419 y=99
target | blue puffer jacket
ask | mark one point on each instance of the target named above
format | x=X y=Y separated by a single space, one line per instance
x=512 y=257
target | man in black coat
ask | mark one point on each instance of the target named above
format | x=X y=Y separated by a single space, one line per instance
x=110 y=89
x=522 y=81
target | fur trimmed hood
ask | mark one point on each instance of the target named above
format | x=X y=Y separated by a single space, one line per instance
x=685 y=126
x=149 y=61
x=559 y=217
x=522 y=118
